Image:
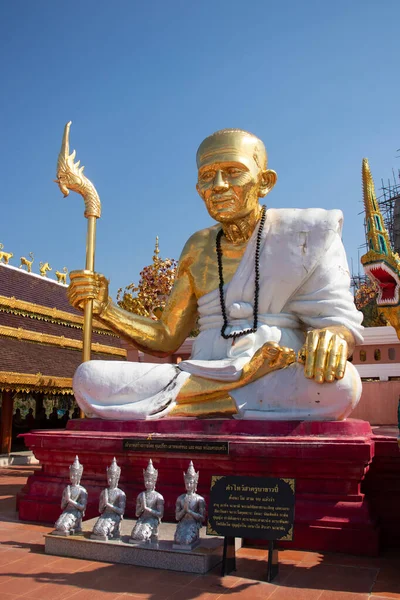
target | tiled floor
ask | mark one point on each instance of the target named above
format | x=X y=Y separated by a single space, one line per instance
x=26 y=572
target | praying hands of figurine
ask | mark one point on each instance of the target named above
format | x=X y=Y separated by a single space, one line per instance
x=146 y=510
x=187 y=511
x=113 y=508
x=325 y=353
x=67 y=501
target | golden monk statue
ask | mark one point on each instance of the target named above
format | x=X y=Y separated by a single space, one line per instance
x=271 y=290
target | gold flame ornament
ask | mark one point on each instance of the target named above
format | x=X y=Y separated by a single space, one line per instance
x=70 y=177
x=381 y=264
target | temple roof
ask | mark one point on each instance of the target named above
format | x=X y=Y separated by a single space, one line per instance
x=41 y=334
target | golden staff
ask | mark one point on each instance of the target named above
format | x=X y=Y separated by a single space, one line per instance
x=70 y=177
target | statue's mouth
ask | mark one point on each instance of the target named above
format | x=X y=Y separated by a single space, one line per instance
x=221 y=200
x=387 y=280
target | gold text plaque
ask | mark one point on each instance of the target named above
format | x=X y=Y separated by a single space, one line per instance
x=251 y=507
x=181 y=446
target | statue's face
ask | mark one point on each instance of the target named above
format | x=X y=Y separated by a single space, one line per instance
x=231 y=176
x=74 y=478
x=149 y=483
x=190 y=485
x=112 y=479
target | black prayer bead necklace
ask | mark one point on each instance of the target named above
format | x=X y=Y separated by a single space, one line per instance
x=253 y=329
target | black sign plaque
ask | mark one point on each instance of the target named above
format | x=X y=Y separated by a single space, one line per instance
x=251 y=507
x=181 y=446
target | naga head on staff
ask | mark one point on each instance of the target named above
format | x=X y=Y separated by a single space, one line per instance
x=70 y=177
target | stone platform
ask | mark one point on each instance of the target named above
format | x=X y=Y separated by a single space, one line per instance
x=328 y=460
x=200 y=560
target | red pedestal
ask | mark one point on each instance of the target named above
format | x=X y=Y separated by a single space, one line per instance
x=328 y=461
x=382 y=488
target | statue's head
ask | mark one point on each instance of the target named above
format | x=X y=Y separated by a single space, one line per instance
x=113 y=474
x=75 y=472
x=191 y=478
x=150 y=475
x=233 y=174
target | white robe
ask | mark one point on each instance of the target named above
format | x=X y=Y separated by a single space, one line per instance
x=304 y=283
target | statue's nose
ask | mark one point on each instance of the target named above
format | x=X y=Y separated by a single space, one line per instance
x=219 y=183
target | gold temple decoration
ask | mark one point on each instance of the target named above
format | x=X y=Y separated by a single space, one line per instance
x=290 y=482
x=62 y=276
x=57 y=340
x=70 y=177
x=149 y=297
x=44 y=313
x=288 y=537
x=380 y=263
x=27 y=263
x=5 y=256
x=378 y=238
x=44 y=267
x=26 y=382
x=210 y=530
x=214 y=480
x=156 y=251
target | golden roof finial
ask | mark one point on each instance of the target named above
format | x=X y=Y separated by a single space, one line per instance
x=378 y=238
x=156 y=252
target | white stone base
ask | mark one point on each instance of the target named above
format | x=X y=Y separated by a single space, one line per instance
x=186 y=547
x=204 y=557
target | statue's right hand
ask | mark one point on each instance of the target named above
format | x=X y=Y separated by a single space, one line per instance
x=85 y=286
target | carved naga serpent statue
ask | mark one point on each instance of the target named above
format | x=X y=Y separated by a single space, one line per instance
x=70 y=177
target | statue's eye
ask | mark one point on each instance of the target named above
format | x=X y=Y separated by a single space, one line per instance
x=207 y=175
x=233 y=172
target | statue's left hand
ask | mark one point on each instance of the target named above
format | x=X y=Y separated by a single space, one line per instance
x=324 y=354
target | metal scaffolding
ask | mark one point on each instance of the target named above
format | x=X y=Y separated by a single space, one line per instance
x=389 y=204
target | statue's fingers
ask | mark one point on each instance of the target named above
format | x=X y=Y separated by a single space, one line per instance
x=333 y=358
x=324 y=344
x=78 y=295
x=342 y=362
x=285 y=358
x=276 y=360
x=290 y=354
x=83 y=281
x=270 y=350
x=311 y=347
x=301 y=355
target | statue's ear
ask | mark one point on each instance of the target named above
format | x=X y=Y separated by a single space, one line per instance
x=268 y=180
x=198 y=191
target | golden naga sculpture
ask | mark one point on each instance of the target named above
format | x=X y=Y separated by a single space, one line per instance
x=27 y=263
x=62 y=276
x=5 y=256
x=380 y=263
x=70 y=177
x=44 y=267
x=267 y=286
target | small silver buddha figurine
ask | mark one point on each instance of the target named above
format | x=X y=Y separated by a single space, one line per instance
x=111 y=506
x=190 y=512
x=73 y=503
x=149 y=510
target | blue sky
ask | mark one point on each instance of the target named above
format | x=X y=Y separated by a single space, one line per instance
x=145 y=82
